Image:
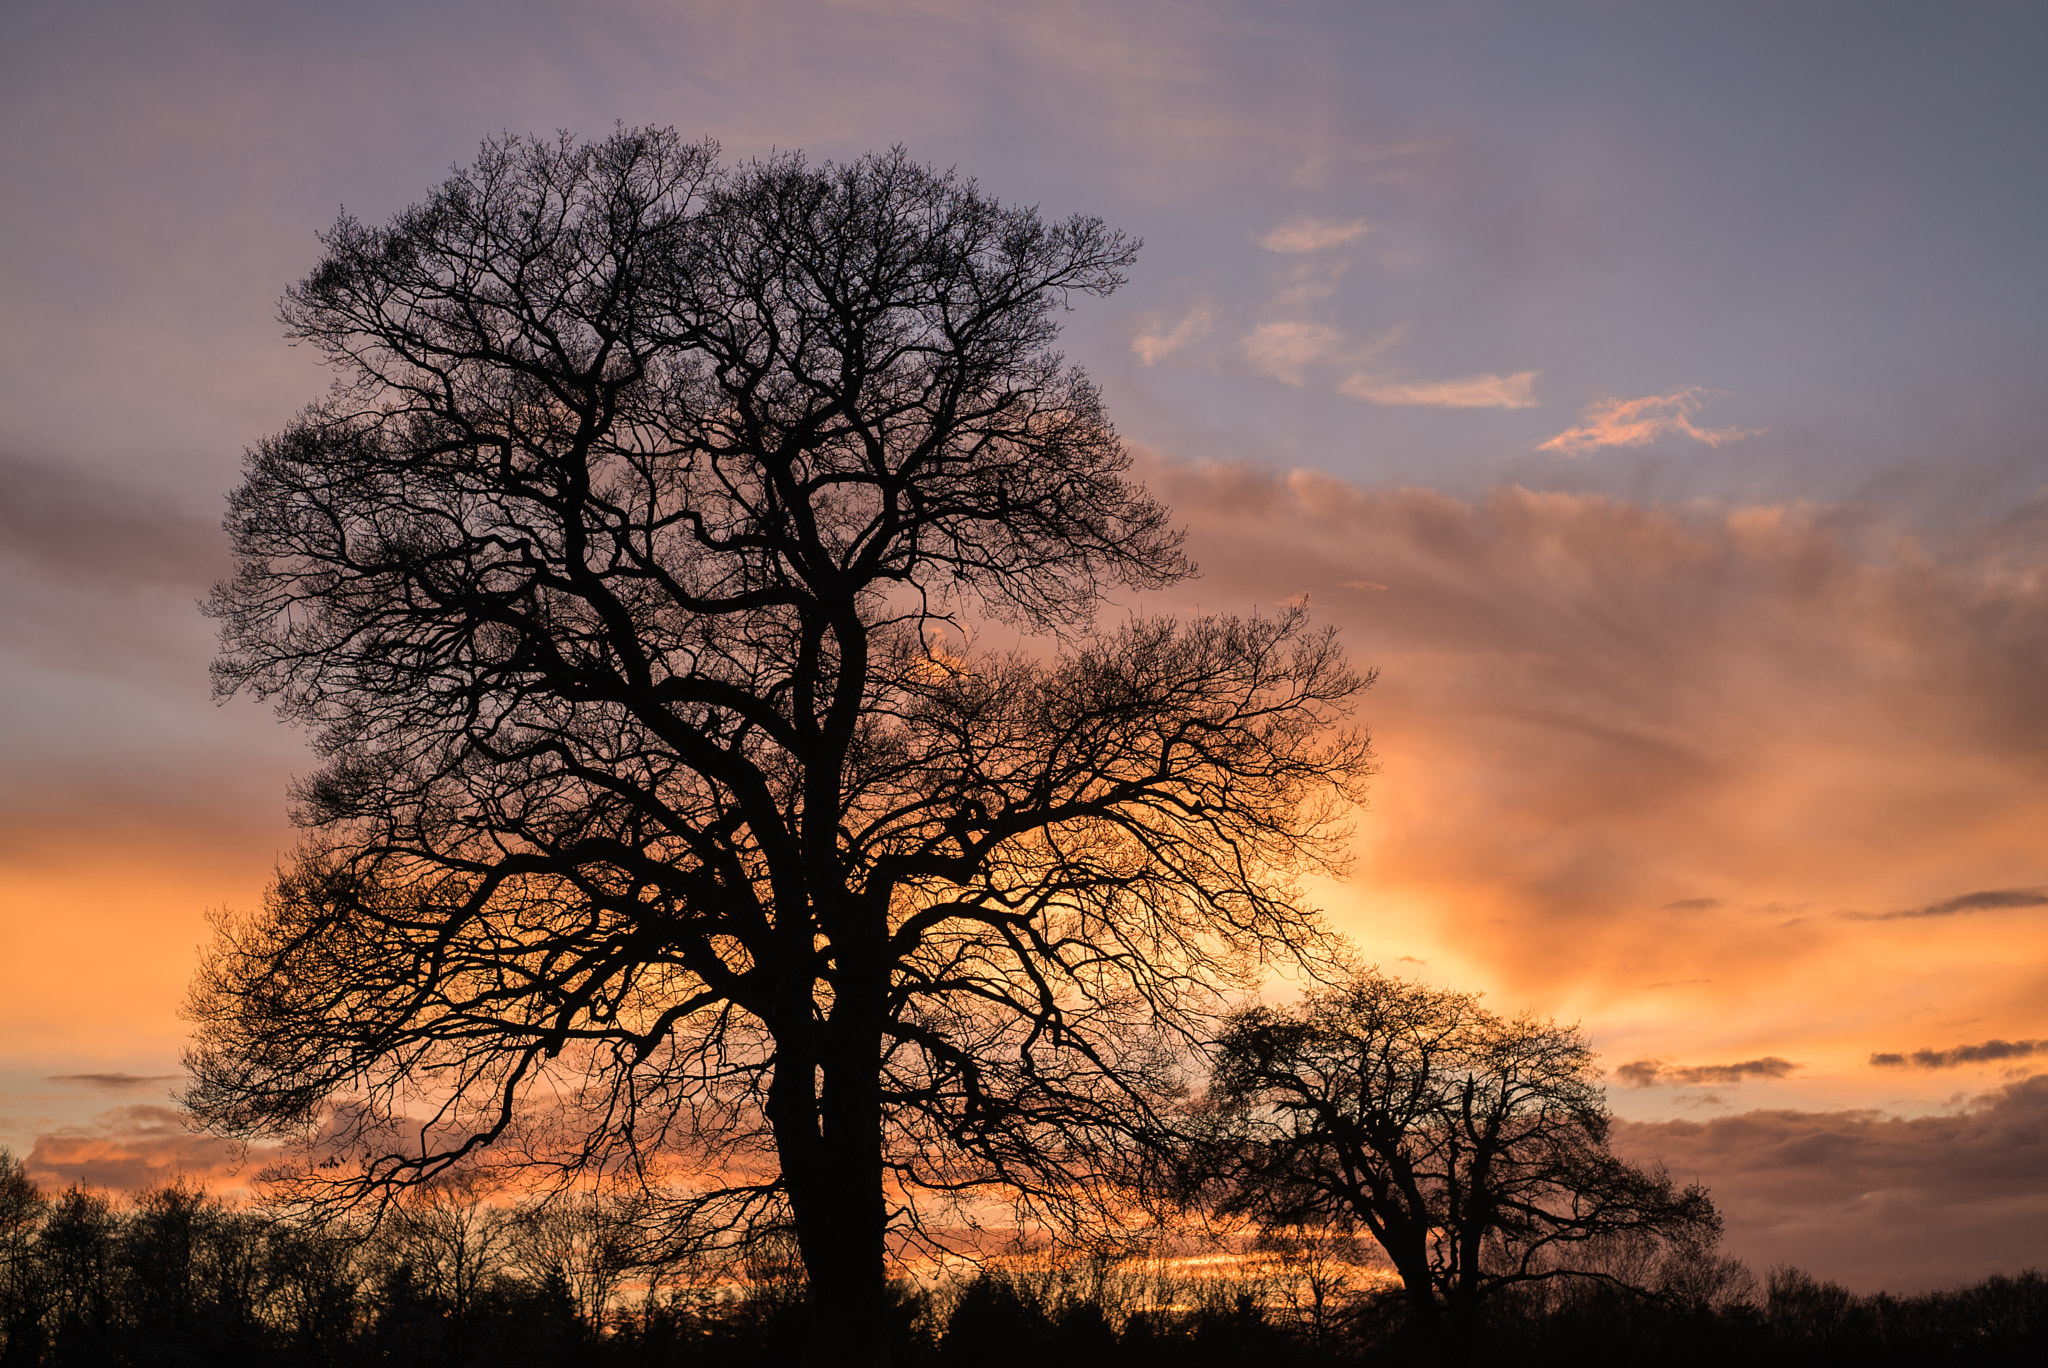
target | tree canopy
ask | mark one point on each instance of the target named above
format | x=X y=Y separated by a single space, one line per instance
x=1473 y=1148
x=673 y=824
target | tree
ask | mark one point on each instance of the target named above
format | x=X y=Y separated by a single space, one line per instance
x=77 y=1250
x=587 y=1243
x=22 y=1286
x=1472 y=1147
x=672 y=816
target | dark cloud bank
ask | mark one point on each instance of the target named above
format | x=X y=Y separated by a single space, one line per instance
x=1894 y=1203
x=1654 y=1073
x=1990 y=1052
x=1989 y=900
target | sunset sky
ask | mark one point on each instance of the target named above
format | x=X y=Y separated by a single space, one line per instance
x=1652 y=393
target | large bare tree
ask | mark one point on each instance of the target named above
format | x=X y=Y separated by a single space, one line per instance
x=674 y=822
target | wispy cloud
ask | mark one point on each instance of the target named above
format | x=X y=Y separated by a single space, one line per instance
x=1655 y=1073
x=1160 y=341
x=1990 y=1052
x=1639 y=422
x=113 y=1082
x=1989 y=900
x=1305 y=234
x=1473 y=391
x=1298 y=344
x=1286 y=348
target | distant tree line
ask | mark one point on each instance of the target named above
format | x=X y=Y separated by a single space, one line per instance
x=174 y=1276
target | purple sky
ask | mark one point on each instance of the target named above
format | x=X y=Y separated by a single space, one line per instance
x=1653 y=392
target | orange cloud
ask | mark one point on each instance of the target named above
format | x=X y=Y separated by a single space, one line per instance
x=131 y=1148
x=1639 y=422
x=1636 y=760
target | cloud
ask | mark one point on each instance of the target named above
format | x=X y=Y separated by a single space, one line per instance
x=1285 y=348
x=1624 y=743
x=1474 y=391
x=1876 y=1201
x=114 y=1082
x=1639 y=422
x=1305 y=234
x=1162 y=342
x=1987 y=901
x=1653 y=1073
x=131 y=1148
x=1991 y=1051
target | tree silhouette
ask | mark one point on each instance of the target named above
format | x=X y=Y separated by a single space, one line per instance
x=1472 y=1147
x=76 y=1249
x=24 y=1291
x=672 y=820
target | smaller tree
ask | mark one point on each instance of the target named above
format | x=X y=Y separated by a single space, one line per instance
x=591 y=1242
x=1473 y=1148
x=76 y=1249
x=22 y=1207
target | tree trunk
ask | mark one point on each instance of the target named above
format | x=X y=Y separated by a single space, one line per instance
x=829 y=1136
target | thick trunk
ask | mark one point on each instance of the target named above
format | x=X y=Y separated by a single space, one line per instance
x=841 y=1236
x=828 y=1123
x=1408 y=1248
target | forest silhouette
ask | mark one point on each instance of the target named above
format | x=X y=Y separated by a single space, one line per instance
x=173 y=1276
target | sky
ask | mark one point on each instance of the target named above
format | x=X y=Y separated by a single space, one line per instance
x=1650 y=393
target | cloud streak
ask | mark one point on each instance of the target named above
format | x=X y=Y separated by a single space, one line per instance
x=1989 y=1052
x=1990 y=900
x=113 y=1082
x=1639 y=422
x=1160 y=341
x=1284 y=349
x=1488 y=391
x=1306 y=234
x=1655 y=1073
